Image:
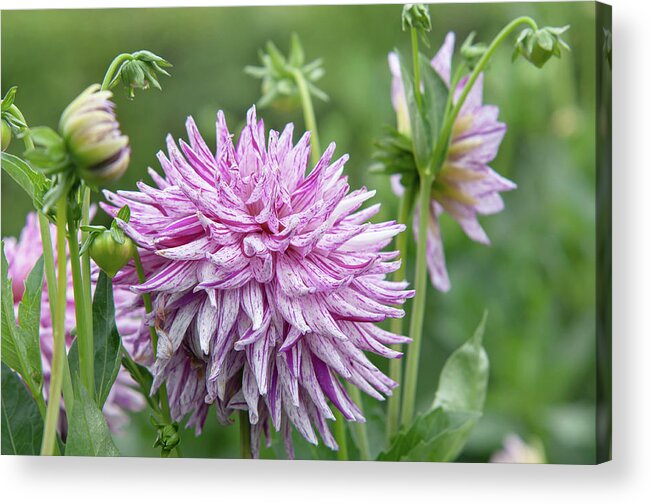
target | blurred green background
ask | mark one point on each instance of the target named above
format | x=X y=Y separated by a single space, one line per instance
x=537 y=280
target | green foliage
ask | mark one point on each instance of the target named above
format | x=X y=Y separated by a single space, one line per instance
x=22 y=424
x=21 y=349
x=106 y=342
x=88 y=433
x=439 y=434
x=35 y=184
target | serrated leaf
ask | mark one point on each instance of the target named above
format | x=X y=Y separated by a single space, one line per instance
x=439 y=434
x=35 y=184
x=88 y=432
x=22 y=424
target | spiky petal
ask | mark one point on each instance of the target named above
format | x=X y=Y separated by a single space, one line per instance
x=267 y=281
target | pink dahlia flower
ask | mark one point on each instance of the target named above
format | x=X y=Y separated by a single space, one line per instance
x=267 y=281
x=466 y=185
x=22 y=255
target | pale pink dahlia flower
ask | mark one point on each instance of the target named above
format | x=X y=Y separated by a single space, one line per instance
x=466 y=185
x=22 y=255
x=267 y=281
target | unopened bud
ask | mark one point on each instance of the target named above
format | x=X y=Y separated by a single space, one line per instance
x=540 y=45
x=97 y=147
x=416 y=16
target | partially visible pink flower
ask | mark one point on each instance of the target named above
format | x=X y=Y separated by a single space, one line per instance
x=267 y=281
x=466 y=186
x=22 y=255
x=516 y=451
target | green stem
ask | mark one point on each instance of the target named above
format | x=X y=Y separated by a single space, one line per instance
x=48 y=445
x=162 y=390
x=361 y=436
x=50 y=276
x=245 y=435
x=418 y=306
x=146 y=299
x=340 y=435
x=115 y=64
x=84 y=333
x=395 y=365
x=416 y=65
x=308 y=113
x=85 y=259
x=448 y=123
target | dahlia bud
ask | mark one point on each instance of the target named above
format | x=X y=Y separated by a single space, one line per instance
x=6 y=135
x=139 y=71
x=110 y=255
x=110 y=248
x=168 y=437
x=540 y=45
x=416 y=16
x=93 y=138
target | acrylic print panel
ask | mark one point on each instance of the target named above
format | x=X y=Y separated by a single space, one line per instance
x=423 y=276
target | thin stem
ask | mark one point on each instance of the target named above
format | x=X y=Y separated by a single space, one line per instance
x=361 y=436
x=308 y=113
x=340 y=435
x=162 y=390
x=84 y=333
x=146 y=299
x=448 y=123
x=418 y=307
x=416 y=65
x=395 y=365
x=48 y=445
x=115 y=64
x=245 y=435
x=85 y=259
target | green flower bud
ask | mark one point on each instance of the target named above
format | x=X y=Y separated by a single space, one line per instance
x=168 y=436
x=540 y=45
x=416 y=16
x=6 y=135
x=98 y=149
x=139 y=71
x=111 y=254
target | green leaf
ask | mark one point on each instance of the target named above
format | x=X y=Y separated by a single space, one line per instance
x=421 y=131
x=106 y=342
x=106 y=338
x=22 y=424
x=439 y=434
x=435 y=96
x=29 y=315
x=88 y=432
x=20 y=349
x=35 y=184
